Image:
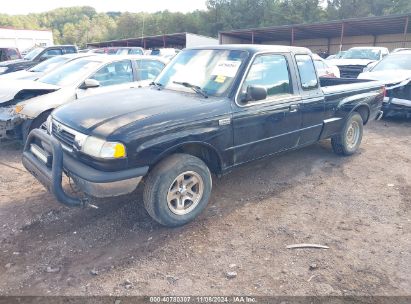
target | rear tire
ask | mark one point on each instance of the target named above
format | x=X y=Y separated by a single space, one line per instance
x=349 y=141
x=177 y=190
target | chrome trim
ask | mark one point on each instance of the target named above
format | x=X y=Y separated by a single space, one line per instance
x=79 y=138
x=38 y=153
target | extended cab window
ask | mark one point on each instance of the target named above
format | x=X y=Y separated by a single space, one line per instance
x=307 y=72
x=114 y=73
x=148 y=69
x=269 y=71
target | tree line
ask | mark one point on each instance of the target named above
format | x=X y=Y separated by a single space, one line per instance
x=80 y=25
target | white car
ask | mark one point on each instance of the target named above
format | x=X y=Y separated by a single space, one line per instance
x=353 y=62
x=395 y=72
x=325 y=68
x=43 y=67
x=25 y=105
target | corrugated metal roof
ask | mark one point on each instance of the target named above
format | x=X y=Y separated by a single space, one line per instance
x=393 y=24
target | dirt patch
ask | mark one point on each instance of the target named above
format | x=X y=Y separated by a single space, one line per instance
x=358 y=206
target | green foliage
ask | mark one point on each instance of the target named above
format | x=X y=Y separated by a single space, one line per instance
x=80 y=25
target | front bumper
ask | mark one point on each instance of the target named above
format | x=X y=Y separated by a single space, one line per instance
x=9 y=123
x=392 y=104
x=48 y=163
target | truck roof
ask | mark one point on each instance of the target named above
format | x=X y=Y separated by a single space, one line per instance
x=255 y=48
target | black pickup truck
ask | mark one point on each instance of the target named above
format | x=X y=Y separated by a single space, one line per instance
x=35 y=56
x=209 y=111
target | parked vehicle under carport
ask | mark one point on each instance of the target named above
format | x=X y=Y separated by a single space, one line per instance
x=395 y=71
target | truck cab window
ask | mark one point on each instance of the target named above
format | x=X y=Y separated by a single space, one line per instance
x=269 y=71
x=307 y=72
x=114 y=73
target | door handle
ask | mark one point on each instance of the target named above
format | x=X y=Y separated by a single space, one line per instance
x=294 y=108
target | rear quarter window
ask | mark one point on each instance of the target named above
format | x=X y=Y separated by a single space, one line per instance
x=306 y=70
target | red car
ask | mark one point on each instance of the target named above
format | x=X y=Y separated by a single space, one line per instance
x=9 y=54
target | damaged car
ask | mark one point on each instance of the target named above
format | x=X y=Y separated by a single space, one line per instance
x=395 y=71
x=25 y=104
x=353 y=62
x=42 y=68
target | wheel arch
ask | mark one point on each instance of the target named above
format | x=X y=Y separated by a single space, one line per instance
x=364 y=111
x=204 y=151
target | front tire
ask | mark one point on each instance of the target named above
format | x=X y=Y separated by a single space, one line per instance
x=349 y=141
x=28 y=126
x=177 y=190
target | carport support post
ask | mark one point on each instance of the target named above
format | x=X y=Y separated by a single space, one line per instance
x=252 y=37
x=404 y=41
x=342 y=35
x=328 y=45
x=164 y=41
x=292 y=36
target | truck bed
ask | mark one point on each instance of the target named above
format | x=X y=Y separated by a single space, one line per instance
x=332 y=86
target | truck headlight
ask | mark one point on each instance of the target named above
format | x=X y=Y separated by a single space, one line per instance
x=100 y=148
x=3 y=69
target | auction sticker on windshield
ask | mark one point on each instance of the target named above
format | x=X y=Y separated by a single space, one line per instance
x=227 y=68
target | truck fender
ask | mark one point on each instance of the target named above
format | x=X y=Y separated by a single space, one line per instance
x=203 y=150
x=334 y=125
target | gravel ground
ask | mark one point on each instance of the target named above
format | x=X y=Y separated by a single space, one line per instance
x=358 y=206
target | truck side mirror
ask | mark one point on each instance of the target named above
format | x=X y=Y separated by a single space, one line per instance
x=90 y=83
x=255 y=93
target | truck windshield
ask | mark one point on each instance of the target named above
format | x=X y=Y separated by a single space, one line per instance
x=71 y=73
x=394 y=62
x=212 y=71
x=49 y=64
x=33 y=53
x=358 y=53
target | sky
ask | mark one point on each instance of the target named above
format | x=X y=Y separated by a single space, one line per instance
x=38 y=6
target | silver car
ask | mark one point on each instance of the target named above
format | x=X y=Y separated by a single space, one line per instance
x=26 y=104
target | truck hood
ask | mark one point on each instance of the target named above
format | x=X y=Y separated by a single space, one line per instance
x=343 y=62
x=9 y=89
x=387 y=76
x=102 y=115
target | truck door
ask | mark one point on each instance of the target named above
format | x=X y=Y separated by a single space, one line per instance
x=267 y=126
x=312 y=105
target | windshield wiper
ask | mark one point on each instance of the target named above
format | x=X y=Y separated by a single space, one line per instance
x=158 y=85
x=195 y=88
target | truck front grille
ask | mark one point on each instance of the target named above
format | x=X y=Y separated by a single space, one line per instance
x=350 y=71
x=63 y=135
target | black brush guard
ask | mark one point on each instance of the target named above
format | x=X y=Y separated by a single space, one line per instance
x=50 y=173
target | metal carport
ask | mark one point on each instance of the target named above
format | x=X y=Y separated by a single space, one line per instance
x=390 y=31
